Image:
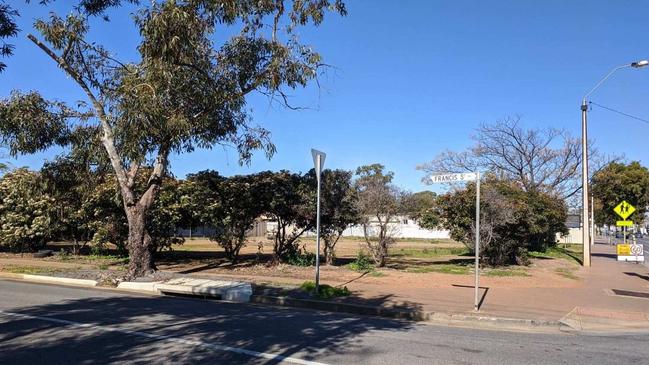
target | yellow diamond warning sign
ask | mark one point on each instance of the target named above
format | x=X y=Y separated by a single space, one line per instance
x=624 y=209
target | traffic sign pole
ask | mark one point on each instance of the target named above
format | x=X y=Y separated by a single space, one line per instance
x=317 y=252
x=318 y=162
x=470 y=176
x=477 y=243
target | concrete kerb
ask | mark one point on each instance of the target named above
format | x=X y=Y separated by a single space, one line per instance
x=440 y=318
x=50 y=279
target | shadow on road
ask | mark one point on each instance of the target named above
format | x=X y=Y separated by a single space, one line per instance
x=264 y=329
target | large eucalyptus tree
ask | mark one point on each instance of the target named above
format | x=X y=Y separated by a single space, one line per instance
x=186 y=91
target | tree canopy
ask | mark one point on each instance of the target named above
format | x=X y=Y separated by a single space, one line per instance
x=186 y=91
x=617 y=182
x=512 y=221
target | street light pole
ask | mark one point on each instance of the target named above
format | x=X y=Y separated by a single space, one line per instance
x=585 y=236
x=585 y=216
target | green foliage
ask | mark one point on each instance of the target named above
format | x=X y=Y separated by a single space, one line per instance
x=301 y=258
x=512 y=221
x=362 y=263
x=505 y=272
x=286 y=199
x=26 y=211
x=229 y=205
x=378 y=202
x=338 y=207
x=430 y=252
x=455 y=269
x=325 y=291
x=8 y=28
x=184 y=91
x=423 y=208
x=617 y=182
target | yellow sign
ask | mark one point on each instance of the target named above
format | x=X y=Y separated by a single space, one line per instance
x=624 y=223
x=624 y=250
x=624 y=209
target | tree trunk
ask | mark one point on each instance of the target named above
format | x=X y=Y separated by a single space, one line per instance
x=139 y=244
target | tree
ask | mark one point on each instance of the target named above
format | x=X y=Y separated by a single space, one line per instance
x=379 y=202
x=71 y=183
x=184 y=92
x=512 y=221
x=25 y=211
x=338 y=207
x=617 y=182
x=286 y=200
x=8 y=29
x=423 y=208
x=538 y=159
x=240 y=206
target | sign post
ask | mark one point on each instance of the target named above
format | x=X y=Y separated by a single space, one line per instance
x=470 y=176
x=318 y=162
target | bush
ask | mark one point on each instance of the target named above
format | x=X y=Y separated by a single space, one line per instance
x=326 y=291
x=512 y=221
x=363 y=263
x=301 y=258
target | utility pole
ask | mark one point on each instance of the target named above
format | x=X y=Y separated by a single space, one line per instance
x=585 y=217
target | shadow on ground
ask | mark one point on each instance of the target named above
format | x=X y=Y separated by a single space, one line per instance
x=286 y=332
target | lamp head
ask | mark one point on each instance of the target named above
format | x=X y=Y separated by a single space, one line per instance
x=641 y=63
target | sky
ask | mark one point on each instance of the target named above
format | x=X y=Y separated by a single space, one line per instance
x=410 y=79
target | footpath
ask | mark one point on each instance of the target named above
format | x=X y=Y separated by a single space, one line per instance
x=610 y=296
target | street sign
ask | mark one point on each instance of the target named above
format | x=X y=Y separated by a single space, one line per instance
x=633 y=253
x=318 y=166
x=624 y=209
x=624 y=223
x=450 y=178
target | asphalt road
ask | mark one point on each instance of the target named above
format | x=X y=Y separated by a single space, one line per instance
x=42 y=324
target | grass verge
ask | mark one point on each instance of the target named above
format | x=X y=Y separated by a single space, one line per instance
x=326 y=291
x=442 y=268
x=505 y=272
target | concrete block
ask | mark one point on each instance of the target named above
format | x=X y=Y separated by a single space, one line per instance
x=149 y=287
x=57 y=280
x=227 y=290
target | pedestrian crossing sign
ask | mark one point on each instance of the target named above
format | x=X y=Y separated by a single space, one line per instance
x=624 y=209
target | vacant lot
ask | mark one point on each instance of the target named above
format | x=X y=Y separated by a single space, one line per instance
x=412 y=263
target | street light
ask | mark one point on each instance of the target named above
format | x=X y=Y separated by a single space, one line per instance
x=584 y=153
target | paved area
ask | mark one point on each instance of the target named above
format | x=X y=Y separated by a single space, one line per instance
x=42 y=324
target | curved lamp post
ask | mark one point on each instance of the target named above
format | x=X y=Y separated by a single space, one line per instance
x=584 y=153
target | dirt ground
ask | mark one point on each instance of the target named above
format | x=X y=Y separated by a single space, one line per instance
x=413 y=264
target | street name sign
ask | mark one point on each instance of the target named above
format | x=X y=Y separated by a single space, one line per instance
x=450 y=178
x=624 y=209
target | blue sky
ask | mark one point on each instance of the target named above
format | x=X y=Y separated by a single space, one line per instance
x=413 y=78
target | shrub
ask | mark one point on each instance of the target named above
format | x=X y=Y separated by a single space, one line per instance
x=301 y=258
x=363 y=263
x=326 y=291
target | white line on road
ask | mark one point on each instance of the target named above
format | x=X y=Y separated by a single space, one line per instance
x=211 y=346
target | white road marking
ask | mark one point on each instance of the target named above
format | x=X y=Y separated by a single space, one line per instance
x=211 y=346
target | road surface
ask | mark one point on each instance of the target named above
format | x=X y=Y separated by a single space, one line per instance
x=42 y=324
